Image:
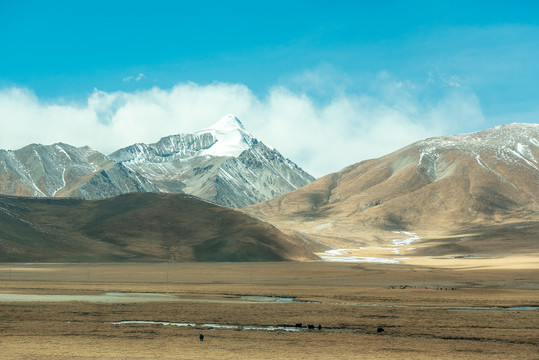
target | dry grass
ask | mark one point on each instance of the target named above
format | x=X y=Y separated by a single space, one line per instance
x=334 y=296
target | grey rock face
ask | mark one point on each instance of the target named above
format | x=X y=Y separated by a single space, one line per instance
x=175 y=147
x=113 y=181
x=223 y=164
x=258 y=174
x=47 y=170
x=61 y=170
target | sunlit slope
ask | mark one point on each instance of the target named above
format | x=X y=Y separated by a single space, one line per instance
x=470 y=185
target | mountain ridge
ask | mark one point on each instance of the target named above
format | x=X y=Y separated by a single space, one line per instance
x=438 y=187
x=200 y=164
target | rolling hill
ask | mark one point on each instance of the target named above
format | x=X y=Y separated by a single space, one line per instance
x=137 y=227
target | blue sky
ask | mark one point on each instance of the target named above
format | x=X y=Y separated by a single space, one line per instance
x=430 y=67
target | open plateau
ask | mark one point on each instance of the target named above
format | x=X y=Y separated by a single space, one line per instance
x=213 y=245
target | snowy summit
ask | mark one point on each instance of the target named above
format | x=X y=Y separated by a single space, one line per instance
x=232 y=139
x=229 y=122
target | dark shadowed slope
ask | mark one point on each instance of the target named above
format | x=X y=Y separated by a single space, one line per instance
x=137 y=227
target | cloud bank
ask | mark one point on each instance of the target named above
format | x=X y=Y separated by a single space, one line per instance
x=321 y=136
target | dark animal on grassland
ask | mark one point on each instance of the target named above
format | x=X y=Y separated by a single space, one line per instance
x=201 y=337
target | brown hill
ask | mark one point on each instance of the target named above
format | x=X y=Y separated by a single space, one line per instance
x=471 y=191
x=137 y=227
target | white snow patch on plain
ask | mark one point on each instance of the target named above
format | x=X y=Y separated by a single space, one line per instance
x=347 y=255
x=407 y=241
x=357 y=259
x=344 y=255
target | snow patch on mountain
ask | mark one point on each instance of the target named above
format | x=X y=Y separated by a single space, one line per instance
x=513 y=143
x=232 y=139
x=222 y=163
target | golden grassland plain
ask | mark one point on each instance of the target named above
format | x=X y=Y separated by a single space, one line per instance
x=426 y=312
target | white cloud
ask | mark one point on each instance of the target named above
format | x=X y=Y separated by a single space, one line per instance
x=137 y=78
x=321 y=137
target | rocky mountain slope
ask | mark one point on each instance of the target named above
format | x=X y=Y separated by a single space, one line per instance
x=62 y=170
x=467 y=189
x=223 y=164
x=137 y=227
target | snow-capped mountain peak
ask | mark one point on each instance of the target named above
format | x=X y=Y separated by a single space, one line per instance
x=223 y=163
x=227 y=123
x=231 y=137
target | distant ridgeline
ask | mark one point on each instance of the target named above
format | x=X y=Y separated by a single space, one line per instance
x=223 y=164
